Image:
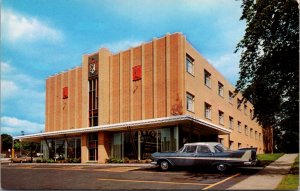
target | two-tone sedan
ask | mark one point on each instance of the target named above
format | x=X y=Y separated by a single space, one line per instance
x=205 y=154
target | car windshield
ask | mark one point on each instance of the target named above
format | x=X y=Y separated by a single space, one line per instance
x=220 y=148
x=181 y=149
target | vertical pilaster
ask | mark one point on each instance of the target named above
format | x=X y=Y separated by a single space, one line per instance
x=121 y=87
x=68 y=100
x=85 y=93
x=110 y=89
x=131 y=84
x=55 y=101
x=168 y=80
x=76 y=97
x=143 y=108
x=154 y=79
x=182 y=72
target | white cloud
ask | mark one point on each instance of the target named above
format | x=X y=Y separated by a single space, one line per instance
x=120 y=45
x=17 y=27
x=21 y=94
x=228 y=65
x=14 y=126
x=8 y=89
x=5 y=67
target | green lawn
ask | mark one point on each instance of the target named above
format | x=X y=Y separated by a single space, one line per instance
x=291 y=181
x=266 y=159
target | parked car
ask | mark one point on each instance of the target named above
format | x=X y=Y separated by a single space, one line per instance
x=205 y=154
x=21 y=159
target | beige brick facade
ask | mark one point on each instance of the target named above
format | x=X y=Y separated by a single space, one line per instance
x=161 y=92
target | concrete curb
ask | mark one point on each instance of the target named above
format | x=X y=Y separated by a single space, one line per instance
x=79 y=164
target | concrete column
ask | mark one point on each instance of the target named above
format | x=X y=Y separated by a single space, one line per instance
x=84 y=149
x=103 y=146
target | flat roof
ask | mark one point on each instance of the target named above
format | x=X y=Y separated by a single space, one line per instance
x=133 y=125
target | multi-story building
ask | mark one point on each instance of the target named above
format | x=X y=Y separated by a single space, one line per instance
x=153 y=97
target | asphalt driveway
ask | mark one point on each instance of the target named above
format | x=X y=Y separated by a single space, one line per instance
x=31 y=177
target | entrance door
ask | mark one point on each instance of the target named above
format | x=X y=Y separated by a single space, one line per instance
x=93 y=146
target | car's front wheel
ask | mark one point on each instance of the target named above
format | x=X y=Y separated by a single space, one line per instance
x=221 y=167
x=164 y=165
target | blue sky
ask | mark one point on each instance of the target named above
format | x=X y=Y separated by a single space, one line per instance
x=41 y=37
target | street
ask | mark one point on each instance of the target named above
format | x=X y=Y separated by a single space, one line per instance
x=94 y=177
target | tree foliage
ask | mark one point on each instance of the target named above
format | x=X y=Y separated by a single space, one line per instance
x=269 y=68
x=6 y=142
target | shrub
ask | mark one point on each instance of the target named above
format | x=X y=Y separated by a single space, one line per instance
x=50 y=161
x=39 y=160
x=114 y=160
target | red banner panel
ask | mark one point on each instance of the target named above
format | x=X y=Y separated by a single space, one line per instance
x=65 y=92
x=136 y=72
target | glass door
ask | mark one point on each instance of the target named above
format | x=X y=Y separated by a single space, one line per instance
x=93 y=146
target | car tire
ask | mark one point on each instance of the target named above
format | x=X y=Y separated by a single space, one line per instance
x=221 y=167
x=164 y=165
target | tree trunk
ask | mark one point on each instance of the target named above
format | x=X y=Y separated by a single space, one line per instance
x=268 y=139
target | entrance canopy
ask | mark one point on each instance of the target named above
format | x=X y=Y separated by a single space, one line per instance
x=141 y=124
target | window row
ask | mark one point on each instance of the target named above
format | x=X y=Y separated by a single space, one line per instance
x=207 y=82
x=208 y=115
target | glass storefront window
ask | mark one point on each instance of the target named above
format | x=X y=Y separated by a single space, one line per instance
x=143 y=143
x=93 y=146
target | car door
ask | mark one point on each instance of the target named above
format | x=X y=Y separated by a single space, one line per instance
x=204 y=156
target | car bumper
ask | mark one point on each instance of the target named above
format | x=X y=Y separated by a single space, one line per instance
x=250 y=163
x=154 y=163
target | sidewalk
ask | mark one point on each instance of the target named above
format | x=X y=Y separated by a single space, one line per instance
x=269 y=177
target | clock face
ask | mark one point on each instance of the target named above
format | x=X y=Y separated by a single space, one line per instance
x=92 y=68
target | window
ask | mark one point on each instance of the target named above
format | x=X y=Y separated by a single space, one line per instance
x=239 y=145
x=251 y=114
x=251 y=133
x=221 y=140
x=207 y=78
x=221 y=117
x=256 y=135
x=230 y=97
x=189 y=62
x=245 y=109
x=190 y=102
x=220 y=89
x=207 y=111
x=190 y=148
x=231 y=143
x=93 y=102
x=230 y=122
x=239 y=126
x=246 y=130
x=259 y=136
x=203 y=149
x=239 y=103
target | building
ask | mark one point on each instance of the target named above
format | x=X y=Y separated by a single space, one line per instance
x=154 y=97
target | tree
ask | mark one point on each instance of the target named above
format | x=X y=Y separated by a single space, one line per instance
x=269 y=68
x=6 y=142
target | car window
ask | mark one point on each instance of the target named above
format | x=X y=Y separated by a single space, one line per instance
x=220 y=148
x=190 y=149
x=203 y=149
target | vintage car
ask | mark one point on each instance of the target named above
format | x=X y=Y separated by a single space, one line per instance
x=205 y=154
